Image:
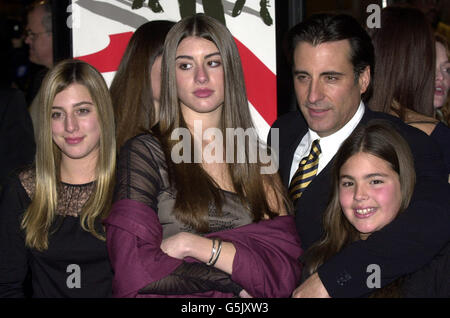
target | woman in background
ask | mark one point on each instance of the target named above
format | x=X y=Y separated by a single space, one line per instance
x=404 y=75
x=441 y=102
x=135 y=89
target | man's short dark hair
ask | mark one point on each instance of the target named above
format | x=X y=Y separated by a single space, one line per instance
x=327 y=27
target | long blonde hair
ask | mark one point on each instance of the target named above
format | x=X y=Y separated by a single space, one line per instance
x=42 y=211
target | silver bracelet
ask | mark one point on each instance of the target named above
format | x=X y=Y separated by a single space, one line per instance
x=213 y=252
x=216 y=257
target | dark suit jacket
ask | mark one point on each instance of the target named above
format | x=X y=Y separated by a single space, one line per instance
x=17 y=145
x=401 y=247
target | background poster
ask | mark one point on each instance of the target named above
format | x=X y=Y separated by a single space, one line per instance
x=101 y=31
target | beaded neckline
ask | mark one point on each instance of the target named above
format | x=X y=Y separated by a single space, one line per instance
x=71 y=197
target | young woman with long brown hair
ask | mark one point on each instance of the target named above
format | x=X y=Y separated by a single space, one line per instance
x=198 y=227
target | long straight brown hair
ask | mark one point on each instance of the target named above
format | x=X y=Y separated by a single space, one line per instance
x=196 y=190
x=380 y=139
x=131 y=88
x=405 y=61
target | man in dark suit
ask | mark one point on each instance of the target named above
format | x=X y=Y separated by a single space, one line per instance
x=17 y=145
x=332 y=57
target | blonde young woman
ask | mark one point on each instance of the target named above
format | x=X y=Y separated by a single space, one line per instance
x=50 y=213
x=199 y=228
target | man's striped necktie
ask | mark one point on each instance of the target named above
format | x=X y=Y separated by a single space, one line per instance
x=307 y=170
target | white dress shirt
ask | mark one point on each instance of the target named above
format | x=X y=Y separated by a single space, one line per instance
x=329 y=145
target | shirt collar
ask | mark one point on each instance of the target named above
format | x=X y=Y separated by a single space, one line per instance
x=330 y=144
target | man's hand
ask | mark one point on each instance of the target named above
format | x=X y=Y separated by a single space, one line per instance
x=311 y=288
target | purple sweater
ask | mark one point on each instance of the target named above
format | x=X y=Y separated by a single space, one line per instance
x=265 y=264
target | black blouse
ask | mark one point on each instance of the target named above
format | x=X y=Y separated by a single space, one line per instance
x=143 y=176
x=76 y=263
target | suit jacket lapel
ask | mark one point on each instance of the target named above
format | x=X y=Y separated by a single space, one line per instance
x=368 y=115
x=287 y=156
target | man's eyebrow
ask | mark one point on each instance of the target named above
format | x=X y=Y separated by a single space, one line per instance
x=298 y=72
x=331 y=73
x=326 y=73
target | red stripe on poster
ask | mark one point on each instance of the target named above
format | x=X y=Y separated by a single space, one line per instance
x=108 y=59
x=260 y=82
